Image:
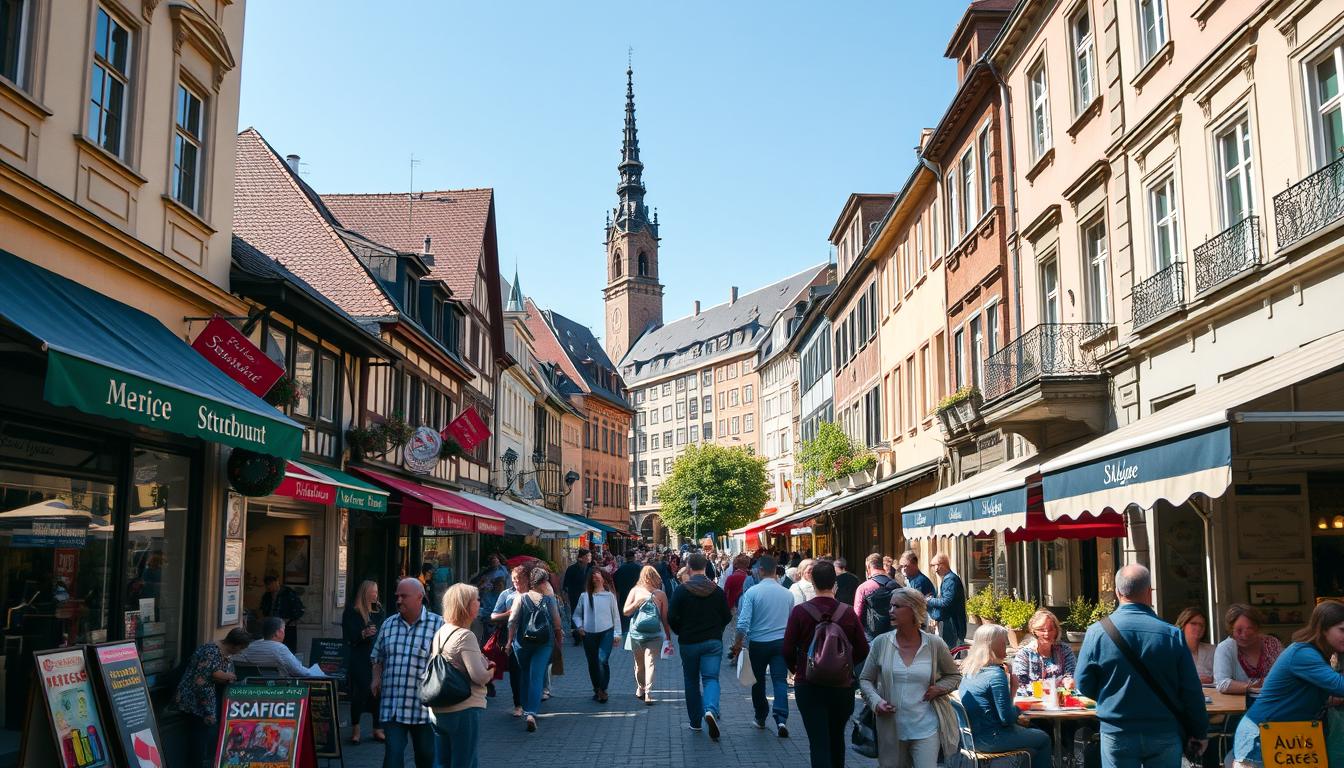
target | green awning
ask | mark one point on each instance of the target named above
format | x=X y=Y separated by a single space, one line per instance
x=113 y=360
x=351 y=492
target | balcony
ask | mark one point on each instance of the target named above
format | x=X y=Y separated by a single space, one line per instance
x=1310 y=205
x=1048 y=379
x=1232 y=252
x=1159 y=295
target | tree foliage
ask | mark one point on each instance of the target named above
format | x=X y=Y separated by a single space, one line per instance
x=729 y=483
x=829 y=455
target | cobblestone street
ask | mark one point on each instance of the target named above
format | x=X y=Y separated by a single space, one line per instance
x=625 y=731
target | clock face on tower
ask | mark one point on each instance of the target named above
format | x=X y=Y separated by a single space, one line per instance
x=616 y=320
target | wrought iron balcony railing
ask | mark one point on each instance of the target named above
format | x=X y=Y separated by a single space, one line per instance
x=1310 y=205
x=1227 y=254
x=1159 y=294
x=1049 y=349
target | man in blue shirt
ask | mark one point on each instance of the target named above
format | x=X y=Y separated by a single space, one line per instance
x=909 y=568
x=1136 y=727
x=949 y=607
x=762 y=615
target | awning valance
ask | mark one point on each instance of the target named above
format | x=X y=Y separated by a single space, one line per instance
x=353 y=493
x=520 y=520
x=841 y=501
x=434 y=507
x=324 y=485
x=113 y=360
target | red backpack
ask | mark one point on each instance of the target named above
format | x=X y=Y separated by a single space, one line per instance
x=830 y=656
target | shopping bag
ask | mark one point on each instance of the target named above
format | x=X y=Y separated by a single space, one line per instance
x=746 y=676
x=667 y=649
x=863 y=735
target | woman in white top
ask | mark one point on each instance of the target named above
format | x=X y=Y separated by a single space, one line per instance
x=598 y=621
x=905 y=680
x=647 y=603
x=1194 y=625
x=1243 y=660
x=802 y=588
x=458 y=726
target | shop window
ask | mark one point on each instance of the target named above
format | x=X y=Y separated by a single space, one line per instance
x=304 y=360
x=156 y=556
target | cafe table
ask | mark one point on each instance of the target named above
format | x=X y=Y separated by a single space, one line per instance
x=1216 y=703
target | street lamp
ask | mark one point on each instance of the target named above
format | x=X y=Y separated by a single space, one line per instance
x=588 y=507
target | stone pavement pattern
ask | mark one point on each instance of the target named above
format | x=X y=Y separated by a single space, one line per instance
x=575 y=730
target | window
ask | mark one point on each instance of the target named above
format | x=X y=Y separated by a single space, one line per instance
x=1163 y=219
x=667 y=389
x=667 y=413
x=653 y=392
x=110 y=84
x=748 y=394
x=641 y=418
x=736 y=425
x=1327 y=105
x=681 y=385
x=749 y=423
x=705 y=403
x=643 y=494
x=707 y=429
x=986 y=174
x=991 y=330
x=872 y=417
x=654 y=444
x=872 y=312
x=681 y=436
x=732 y=371
x=926 y=379
x=977 y=354
x=305 y=358
x=695 y=433
x=681 y=409
x=653 y=416
x=911 y=387
x=968 y=191
x=694 y=404
x=1084 y=60
x=643 y=468
x=723 y=400
x=707 y=378
x=643 y=264
x=187 y=147
x=326 y=382
x=1050 y=290
x=954 y=223
x=667 y=438
x=667 y=466
x=1234 y=163
x=1098 y=292
x=644 y=442
x=959 y=358
x=1040 y=111
x=732 y=397
x=1152 y=27
x=13 y=40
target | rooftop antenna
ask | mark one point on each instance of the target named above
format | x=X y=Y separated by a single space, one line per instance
x=629 y=57
x=410 y=196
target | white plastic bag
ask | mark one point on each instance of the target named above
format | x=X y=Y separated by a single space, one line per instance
x=746 y=676
x=667 y=649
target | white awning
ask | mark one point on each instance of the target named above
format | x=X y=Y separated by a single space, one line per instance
x=522 y=521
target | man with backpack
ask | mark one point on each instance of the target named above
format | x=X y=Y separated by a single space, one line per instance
x=698 y=613
x=823 y=645
x=762 y=615
x=872 y=600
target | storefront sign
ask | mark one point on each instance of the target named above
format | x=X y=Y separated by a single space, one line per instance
x=129 y=711
x=468 y=429
x=349 y=498
x=328 y=653
x=306 y=490
x=421 y=452
x=103 y=391
x=46 y=535
x=1293 y=744
x=265 y=727
x=490 y=527
x=233 y=353
x=442 y=518
x=75 y=728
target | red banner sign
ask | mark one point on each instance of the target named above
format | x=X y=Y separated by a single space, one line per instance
x=491 y=527
x=442 y=518
x=468 y=429
x=234 y=354
x=306 y=490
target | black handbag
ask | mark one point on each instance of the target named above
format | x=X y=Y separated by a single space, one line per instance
x=443 y=684
x=863 y=734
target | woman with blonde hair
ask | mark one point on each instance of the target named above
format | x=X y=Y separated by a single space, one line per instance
x=906 y=679
x=458 y=725
x=359 y=628
x=647 y=603
x=987 y=694
x=1044 y=655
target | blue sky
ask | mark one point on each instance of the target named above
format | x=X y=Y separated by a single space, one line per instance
x=756 y=120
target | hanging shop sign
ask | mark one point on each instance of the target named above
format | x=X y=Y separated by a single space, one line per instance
x=265 y=727
x=421 y=453
x=233 y=353
x=74 y=733
x=128 y=709
x=468 y=429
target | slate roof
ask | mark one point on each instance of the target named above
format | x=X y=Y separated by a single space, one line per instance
x=453 y=219
x=278 y=214
x=723 y=330
x=567 y=344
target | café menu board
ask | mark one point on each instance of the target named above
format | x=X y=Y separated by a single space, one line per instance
x=77 y=736
x=328 y=653
x=265 y=727
x=129 y=710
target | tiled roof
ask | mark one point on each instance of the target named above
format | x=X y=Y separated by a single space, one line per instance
x=566 y=344
x=453 y=219
x=722 y=330
x=280 y=215
x=248 y=259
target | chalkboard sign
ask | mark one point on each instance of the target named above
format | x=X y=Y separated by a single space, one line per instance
x=63 y=708
x=265 y=726
x=329 y=653
x=128 y=709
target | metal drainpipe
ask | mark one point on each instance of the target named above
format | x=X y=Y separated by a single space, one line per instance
x=1005 y=99
x=1206 y=518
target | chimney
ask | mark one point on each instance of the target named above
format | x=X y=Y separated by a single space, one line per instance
x=427 y=245
x=696 y=313
x=293 y=162
x=732 y=295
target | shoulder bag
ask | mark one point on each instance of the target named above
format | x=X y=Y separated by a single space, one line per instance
x=443 y=684
x=1190 y=749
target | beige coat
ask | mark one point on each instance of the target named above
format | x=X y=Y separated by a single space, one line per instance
x=876 y=680
x=463 y=651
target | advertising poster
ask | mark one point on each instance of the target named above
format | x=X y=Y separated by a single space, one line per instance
x=129 y=710
x=265 y=727
x=322 y=713
x=72 y=711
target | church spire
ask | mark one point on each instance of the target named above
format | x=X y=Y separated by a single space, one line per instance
x=515 y=295
x=630 y=214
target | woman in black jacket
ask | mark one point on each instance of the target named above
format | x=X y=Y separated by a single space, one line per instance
x=359 y=626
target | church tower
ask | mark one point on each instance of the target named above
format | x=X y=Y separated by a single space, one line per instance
x=633 y=296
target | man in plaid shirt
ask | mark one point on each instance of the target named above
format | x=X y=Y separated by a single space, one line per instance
x=400 y=655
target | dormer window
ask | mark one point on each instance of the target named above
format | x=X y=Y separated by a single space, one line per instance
x=410 y=297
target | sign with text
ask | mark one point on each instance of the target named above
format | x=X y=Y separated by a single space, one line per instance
x=306 y=490
x=265 y=727
x=324 y=714
x=129 y=712
x=1294 y=743
x=421 y=452
x=468 y=429
x=75 y=728
x=328 y=653
x=233 y=353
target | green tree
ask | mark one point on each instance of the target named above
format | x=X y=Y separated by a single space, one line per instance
x=728 y=483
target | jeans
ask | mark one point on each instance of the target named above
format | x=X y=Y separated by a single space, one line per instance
x=458 y=734
x=597 y=647
x=700 y=666
x=515 y=679
x=825 y=712
x=533 y=661
x=1141 y=748
x=1017 y=737
x=421 y=738
x=763 y=656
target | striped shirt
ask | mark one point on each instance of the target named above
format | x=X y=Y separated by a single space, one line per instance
x=403 y=650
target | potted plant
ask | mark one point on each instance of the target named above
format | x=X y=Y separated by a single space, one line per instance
x=861 y=469
x=451 y=449
x=1077 y=620
x=1014 y=615
x=367 y=441
x=983 y=606
x=284 y=393
x=961 y=408
x=1102 y=609
x=396 y=430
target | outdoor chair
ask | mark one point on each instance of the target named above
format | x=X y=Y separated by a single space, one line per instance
x=970 y=757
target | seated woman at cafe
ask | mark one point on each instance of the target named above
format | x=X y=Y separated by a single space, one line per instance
x=1194 y=625
x=987 y=695
x=1242 y=661
x=1299 y=685
x=1045 y=655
